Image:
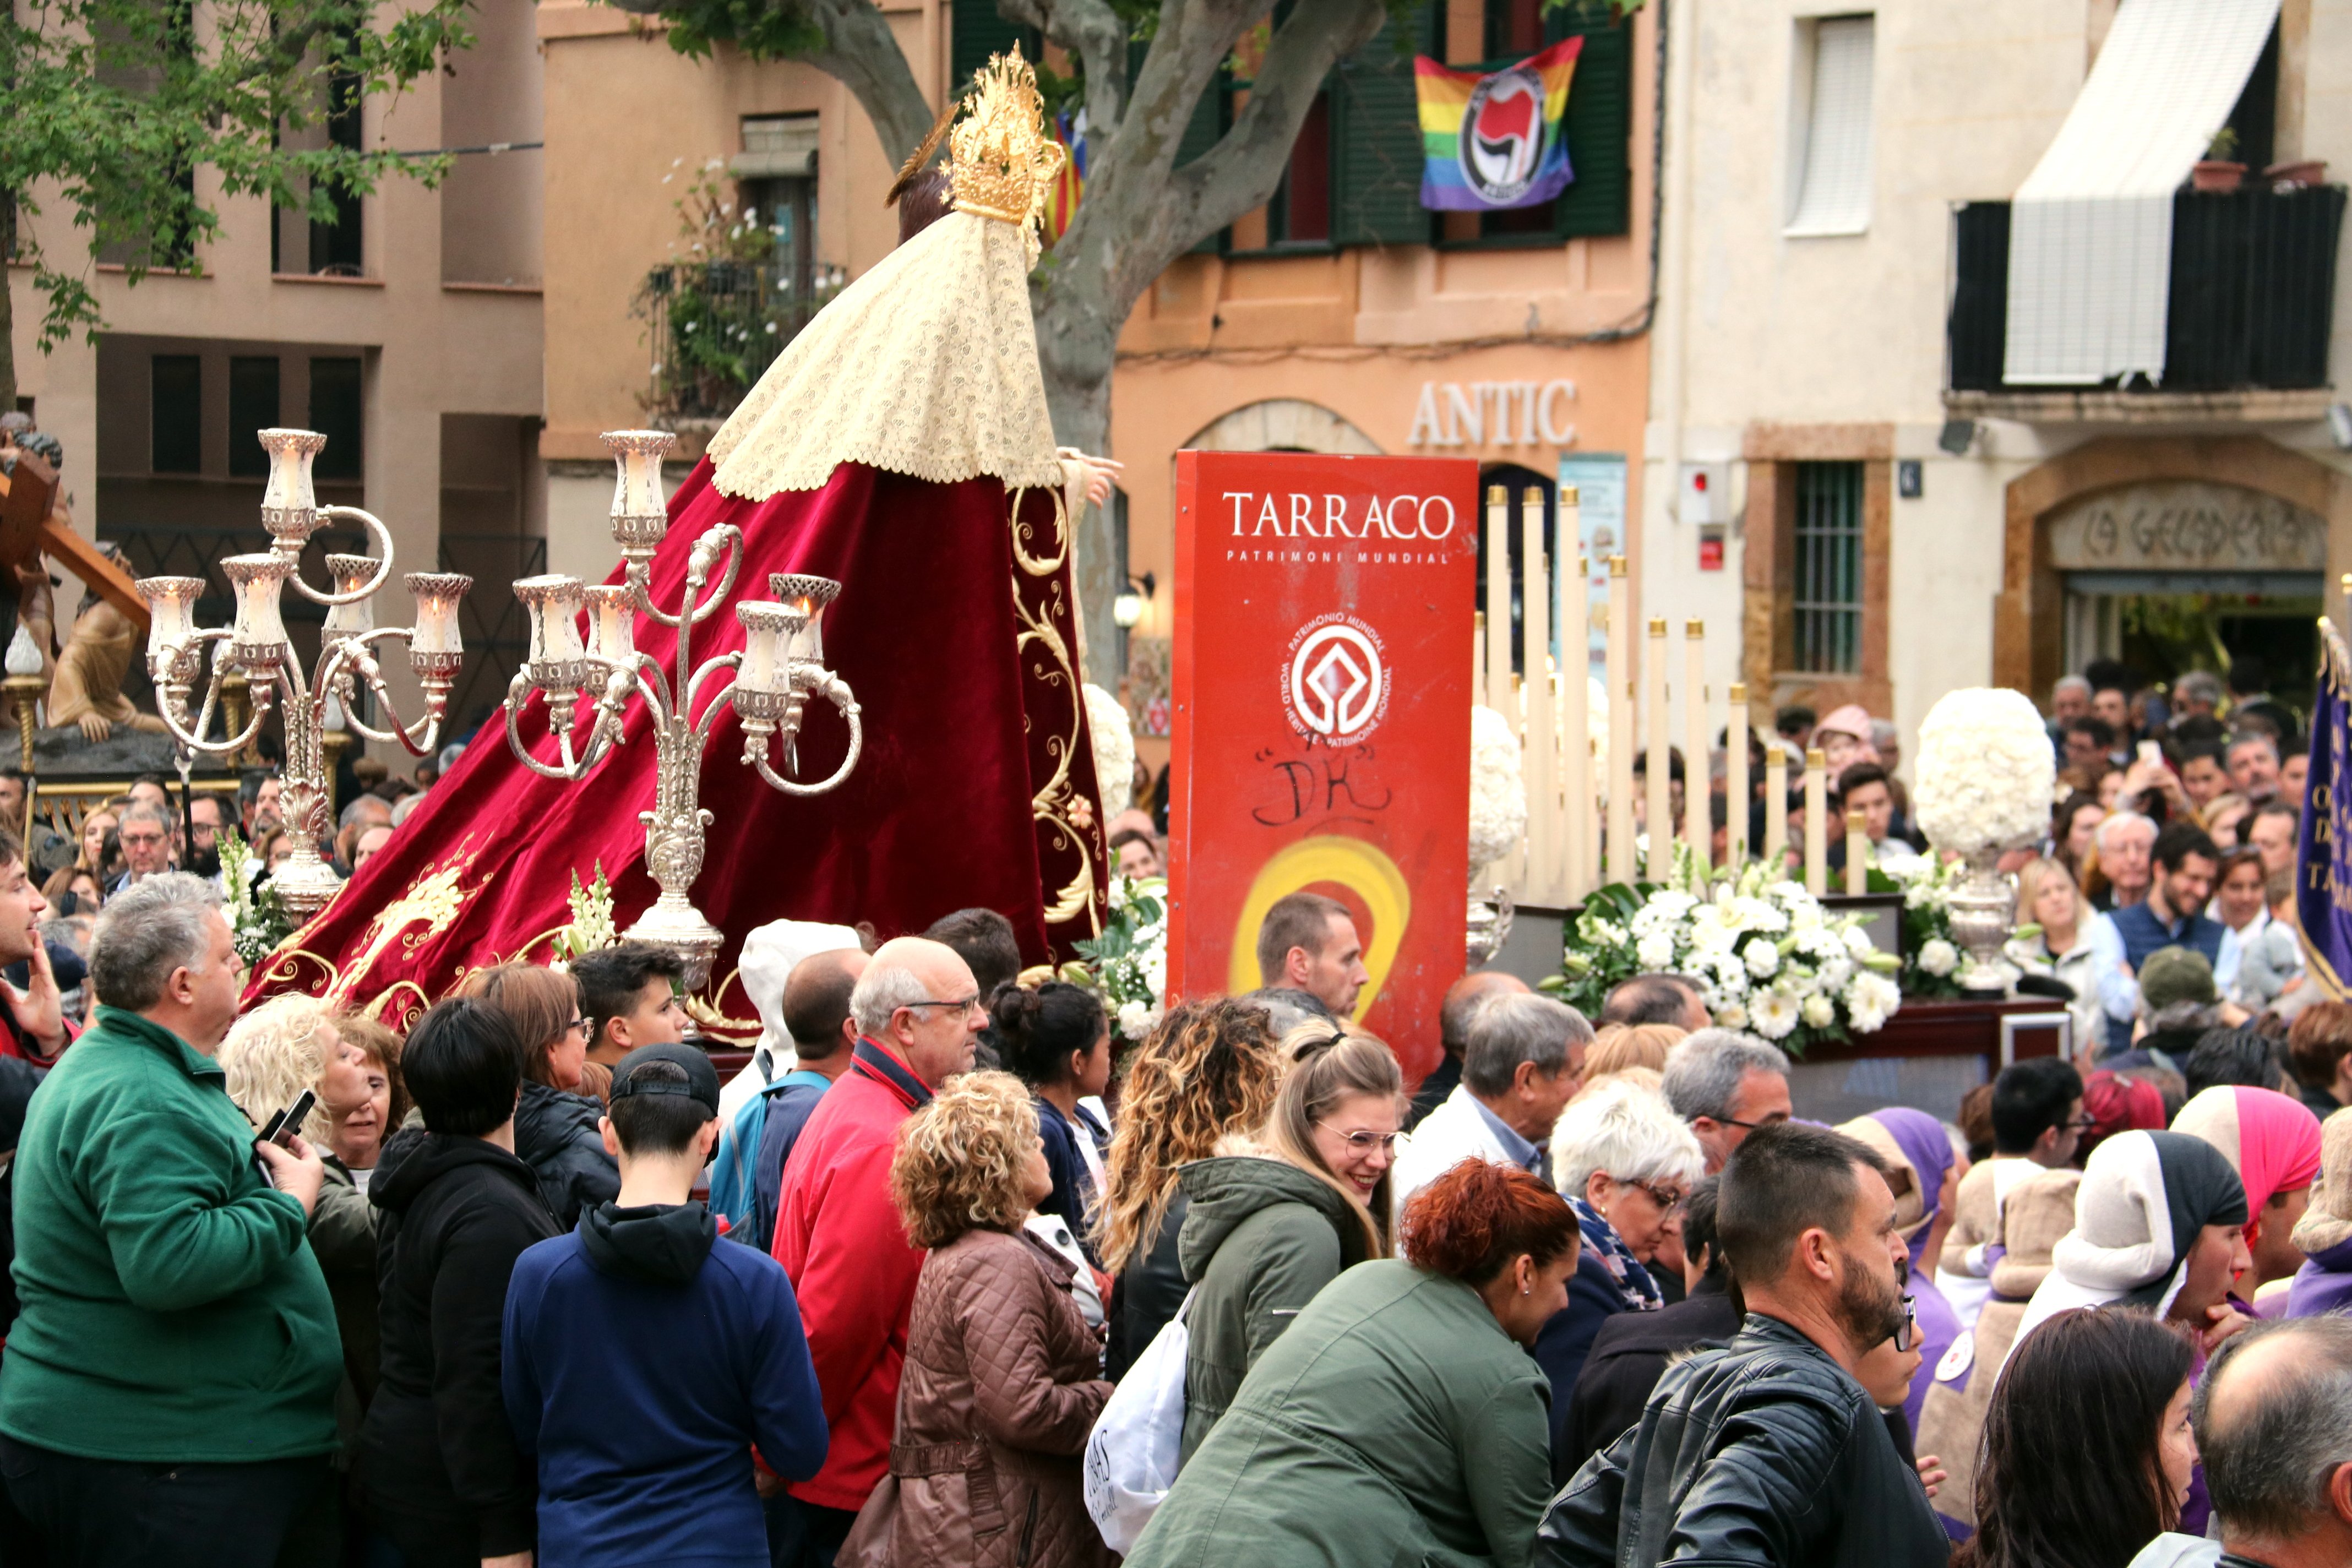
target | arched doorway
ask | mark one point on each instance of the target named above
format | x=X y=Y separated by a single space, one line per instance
x=1282 y=425
x=2219 y=541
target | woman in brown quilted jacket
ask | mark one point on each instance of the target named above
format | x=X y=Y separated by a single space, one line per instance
x=1002 y=1379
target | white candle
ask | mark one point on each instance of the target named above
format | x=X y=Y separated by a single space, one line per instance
x=637 y=489
x=350 y=574
x=1620 y=666
x=555 y=601
x=1575 y=711
x=1776 y=810
x=765 y=625
x=611 y=625
x=1699 y=818
x=437 y=595
x=1735 y=780
x=1498 y=604
x=291 y=453
x=258 y=580
x=1857 y=853
x=170 y=613
x=1657 y=804
x=1543 y=790
x=1817 y=823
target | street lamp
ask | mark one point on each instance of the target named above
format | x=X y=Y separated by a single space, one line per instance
x=780 y=670
x=254 y=650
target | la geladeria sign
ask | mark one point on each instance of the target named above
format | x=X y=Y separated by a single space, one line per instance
x=1454 y=415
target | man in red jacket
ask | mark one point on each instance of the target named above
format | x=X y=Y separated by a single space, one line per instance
x=838 y=1236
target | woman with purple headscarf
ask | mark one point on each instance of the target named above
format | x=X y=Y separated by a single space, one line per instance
x=1925 y=1172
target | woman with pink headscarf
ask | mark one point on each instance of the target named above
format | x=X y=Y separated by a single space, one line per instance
x=2272 y=1140
x=1843 y=737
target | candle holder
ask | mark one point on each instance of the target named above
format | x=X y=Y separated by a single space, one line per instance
x=255 y=669
x=769 y=684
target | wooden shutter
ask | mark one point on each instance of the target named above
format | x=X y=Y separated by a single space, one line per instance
x=1376 y=140
x=979 y=32
x=1598 y=124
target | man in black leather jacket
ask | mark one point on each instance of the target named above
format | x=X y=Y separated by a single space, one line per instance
x=1769 y=1451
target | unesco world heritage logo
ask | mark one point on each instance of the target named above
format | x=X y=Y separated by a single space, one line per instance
x=1335 y=681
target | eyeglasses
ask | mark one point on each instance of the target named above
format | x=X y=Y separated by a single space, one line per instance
x=580 y=1024
x=1362 y=1143
x=1752 y=1126
x=970 y=1003
x=2082 y=1124
x=1664 y=1198
x=1910 y=1333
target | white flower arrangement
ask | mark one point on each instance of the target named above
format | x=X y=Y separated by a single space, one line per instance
x=1127 y=964
x=1114 y=737
x=1985 y=771
x=1768 y=958
x=1499 y=795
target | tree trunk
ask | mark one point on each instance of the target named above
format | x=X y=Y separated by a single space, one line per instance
x=7 y=342
x=1076 y=342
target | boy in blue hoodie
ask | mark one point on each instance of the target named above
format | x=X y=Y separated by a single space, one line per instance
x=643 y=1365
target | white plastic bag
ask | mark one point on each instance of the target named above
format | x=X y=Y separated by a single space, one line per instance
x=1131 y=1453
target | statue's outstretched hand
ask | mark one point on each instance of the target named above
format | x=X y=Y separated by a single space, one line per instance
x=96 y=727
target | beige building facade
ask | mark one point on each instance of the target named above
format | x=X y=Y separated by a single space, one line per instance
x=1908 y=510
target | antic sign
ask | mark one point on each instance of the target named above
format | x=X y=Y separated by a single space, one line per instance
x=1323 y=636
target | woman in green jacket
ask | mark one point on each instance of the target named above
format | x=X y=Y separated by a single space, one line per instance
x=1399 y=1420
x=1267 y=1228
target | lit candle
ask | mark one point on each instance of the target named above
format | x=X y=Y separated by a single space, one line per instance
x=640 y=509
x=1817 y=823
x=437 y=595
x=1735 y=780
x=611 y=625
x=766 y=666
x=1857 y=853
x=291 y=453
x=1499 y=603
x=1575 y=711
x=170 y=613
x=555 y=601
x=808 y=596
x=1542 y=782
x=1618 y=664
x=257 y=579
x=1699 y=817
x=1657 y=804
x=1776 y=810
x=350 y=574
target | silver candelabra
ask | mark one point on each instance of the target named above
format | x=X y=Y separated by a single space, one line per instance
x=781 y=667
x=256 y=649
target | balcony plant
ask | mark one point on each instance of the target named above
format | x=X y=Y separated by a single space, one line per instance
x=2216 y=174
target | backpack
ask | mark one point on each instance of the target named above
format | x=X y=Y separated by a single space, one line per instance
x=1131 y=1454
x=733 y=1189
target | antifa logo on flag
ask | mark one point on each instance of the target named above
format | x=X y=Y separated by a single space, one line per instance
x=1505 y=143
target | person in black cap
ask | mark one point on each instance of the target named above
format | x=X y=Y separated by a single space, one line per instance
x=643 y=1363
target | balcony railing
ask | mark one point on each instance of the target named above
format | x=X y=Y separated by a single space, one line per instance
x=2254 y=289
x=717 y=325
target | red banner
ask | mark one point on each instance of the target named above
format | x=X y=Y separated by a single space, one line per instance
x=1322 y=728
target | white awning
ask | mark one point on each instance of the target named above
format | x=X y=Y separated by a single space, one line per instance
x=2090 y=239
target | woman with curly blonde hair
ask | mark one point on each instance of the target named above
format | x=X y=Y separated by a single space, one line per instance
x=1208 y=1072
x=1002 y=1378
x=269 y=1057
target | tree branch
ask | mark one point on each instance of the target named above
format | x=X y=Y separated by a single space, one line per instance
x=1096 y=33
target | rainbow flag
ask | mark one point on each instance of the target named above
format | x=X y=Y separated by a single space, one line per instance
x=1494 y=141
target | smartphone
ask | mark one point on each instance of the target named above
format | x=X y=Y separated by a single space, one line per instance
x=282 y=1127
x=2151 y=753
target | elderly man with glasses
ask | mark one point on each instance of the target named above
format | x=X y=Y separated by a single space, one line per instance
x=918 y=1012
x=146 y=837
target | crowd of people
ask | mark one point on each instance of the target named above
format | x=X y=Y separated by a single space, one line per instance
x=532 y=1284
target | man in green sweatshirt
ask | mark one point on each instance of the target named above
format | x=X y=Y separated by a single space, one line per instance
x=167 y=1391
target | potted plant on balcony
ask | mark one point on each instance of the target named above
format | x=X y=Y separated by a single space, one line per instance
x=2297 y=173
x=2216 y=174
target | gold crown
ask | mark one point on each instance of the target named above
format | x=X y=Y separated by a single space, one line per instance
x=1001 y=159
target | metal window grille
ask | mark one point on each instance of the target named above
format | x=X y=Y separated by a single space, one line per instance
x=1828 y=601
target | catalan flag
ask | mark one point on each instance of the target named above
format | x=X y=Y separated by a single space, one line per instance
x=1062 y=202
x=1494 y=141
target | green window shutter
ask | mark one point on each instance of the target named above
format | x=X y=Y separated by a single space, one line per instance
x=1376 y=141
x=1201 y=133
x=978 y=32
x=1597 y=123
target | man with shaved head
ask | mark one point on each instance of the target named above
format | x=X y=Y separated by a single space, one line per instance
x=2274 y=1422
x=916 y=1012
x=1461 y=1000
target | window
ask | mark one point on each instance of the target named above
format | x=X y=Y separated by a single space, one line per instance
x=335 y=249
x=1300 y=213
x=1829 y=127
x=176 y=414
x=1828 y=599
x=335 y=412
x=252 y=406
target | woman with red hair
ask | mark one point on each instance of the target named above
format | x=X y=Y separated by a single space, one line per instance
x=1421 y=1368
